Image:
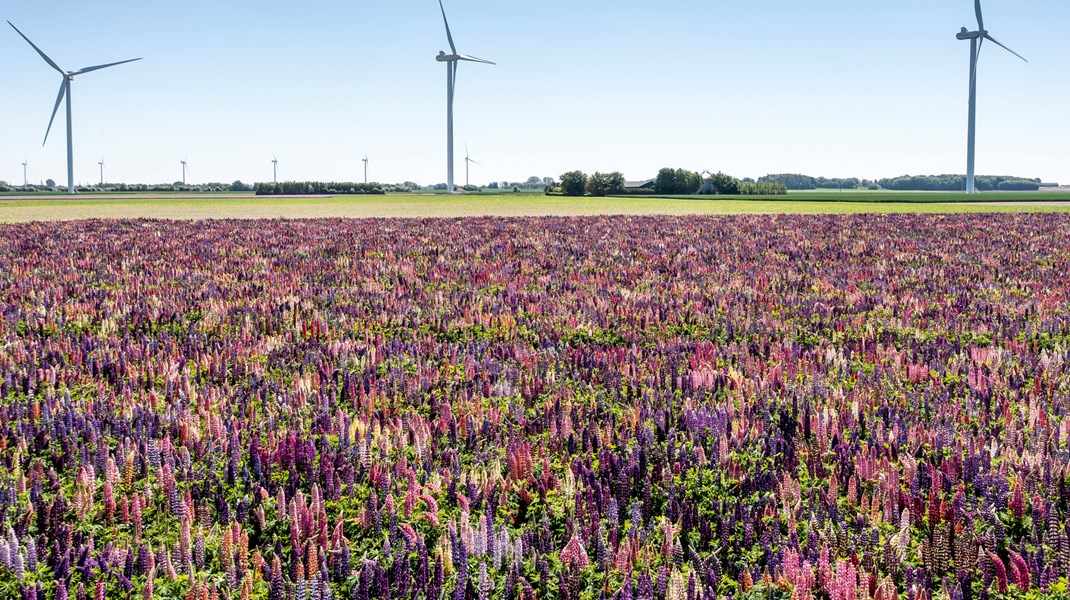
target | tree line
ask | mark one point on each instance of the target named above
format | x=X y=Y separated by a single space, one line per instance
x=928 y=183
x=215 y=187
x=305 y=188
x=957 y=183
x=795 y=181
x=669 y=182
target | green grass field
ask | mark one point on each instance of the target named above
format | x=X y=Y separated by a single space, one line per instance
x=248 y=206
x=883 y=196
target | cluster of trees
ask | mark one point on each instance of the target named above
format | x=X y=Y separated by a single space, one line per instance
x=303 y=188
x=931 y=183
x=795 y=181
x=669 y=182
x=578 y=183
x=682 y=181
x=50 y=186
x=957 y=183
x=677 y=182
x=762 y=188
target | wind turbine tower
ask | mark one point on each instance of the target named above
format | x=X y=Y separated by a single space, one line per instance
x=275 y=169
x=451 y=61
x=365 y=167
x=65 y=92
x=977 y=39
x=183 y=162
x=468 y=160
x=101 y=163
x=25 y=181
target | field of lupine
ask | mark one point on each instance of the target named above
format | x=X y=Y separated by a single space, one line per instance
x=811 y=407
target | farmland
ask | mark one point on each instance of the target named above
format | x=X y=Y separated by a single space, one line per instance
x=21 y=209
x=808 y=406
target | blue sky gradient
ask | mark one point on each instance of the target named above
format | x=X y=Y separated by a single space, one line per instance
x=832 y=87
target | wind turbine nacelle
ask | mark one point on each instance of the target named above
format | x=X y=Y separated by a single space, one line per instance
x=443 y=57
x=969 y=35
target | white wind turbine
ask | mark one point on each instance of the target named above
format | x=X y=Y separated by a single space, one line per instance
x=25 y=181
x=451 y=61
x=977 y=39
x=275 y=169
x=467 y=160
x=365 y=167
x=65 y=92
x=101 y=163
x=183 y=162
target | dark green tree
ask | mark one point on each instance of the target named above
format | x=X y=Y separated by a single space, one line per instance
x=573 y=183
x=616 y=182
x=724 y=184
x=687 y=182
x=665 y=182
x=602 y=184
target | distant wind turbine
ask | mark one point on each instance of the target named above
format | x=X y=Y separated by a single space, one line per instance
x=977 y=39
x=467 y=160
x=101 y=163
x=65 y=92
x=183 y=162
x=365 y=167
x=25 y=181
x=275 y=169
x=451 y=61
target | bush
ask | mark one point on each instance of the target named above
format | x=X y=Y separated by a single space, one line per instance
x=635 y=192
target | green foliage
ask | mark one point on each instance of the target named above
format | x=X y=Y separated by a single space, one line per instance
x=302 y=188
x=635 y=192
x=765 y=188
x=573 y=183
x=957 y=183
x=603 y=184
x=724 y=184
x=677 y=181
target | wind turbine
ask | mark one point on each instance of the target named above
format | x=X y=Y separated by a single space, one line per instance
x=467 y=160
x=101 y=163
x=451 y=61
x=275 y=169
x=365 y=167
x=25 y=182
x=183 y=162
x=65 y=91
x=977 y=39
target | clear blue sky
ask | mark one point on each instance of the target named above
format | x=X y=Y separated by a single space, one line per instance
x=825 y=87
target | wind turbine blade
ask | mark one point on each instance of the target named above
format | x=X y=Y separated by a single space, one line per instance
x=99 y=67
x=59 y=99
x=475 y=162
x=474 y=59
x=449 y=35
x=43 y=55
x=996 y=42
x=980 y=18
